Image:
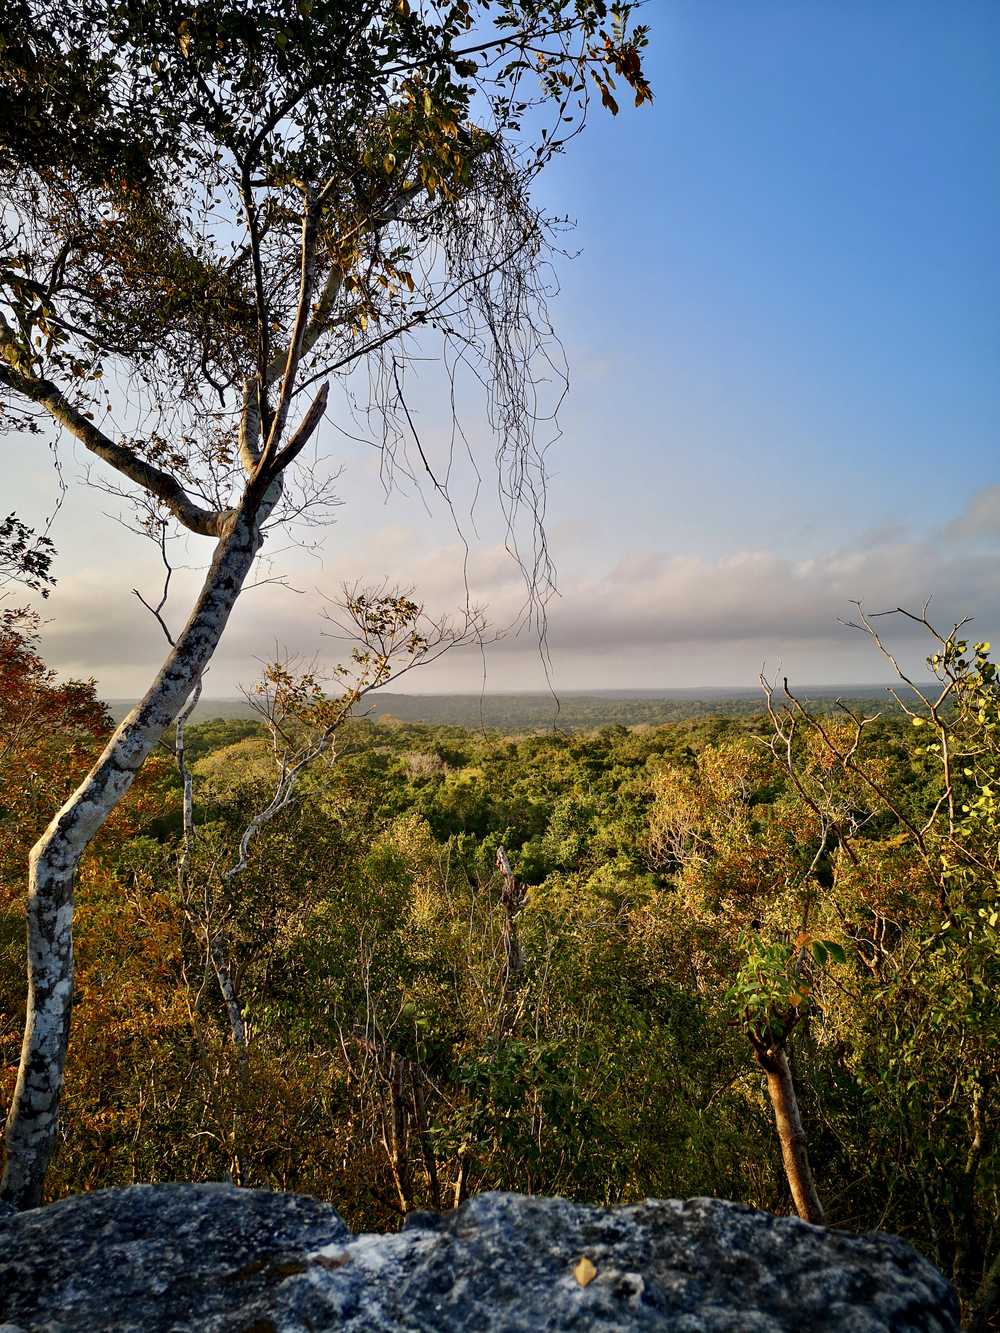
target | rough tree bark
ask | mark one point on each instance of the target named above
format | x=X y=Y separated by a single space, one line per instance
x=32 y=1122
x=33 y=1119
x=794 y=1148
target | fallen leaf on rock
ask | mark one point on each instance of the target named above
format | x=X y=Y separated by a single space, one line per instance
x=585 y=1272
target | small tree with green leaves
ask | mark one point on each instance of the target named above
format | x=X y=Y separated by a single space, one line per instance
x=934 y=977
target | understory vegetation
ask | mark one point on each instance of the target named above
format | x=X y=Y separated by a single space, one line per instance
x=585 y=1020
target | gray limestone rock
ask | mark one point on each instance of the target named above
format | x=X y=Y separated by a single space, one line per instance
x=160 y=1258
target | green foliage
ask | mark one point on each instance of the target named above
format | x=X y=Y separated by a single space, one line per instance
x=130 y=134
x=667 y=874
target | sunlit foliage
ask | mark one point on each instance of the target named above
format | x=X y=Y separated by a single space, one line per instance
x=680 y=884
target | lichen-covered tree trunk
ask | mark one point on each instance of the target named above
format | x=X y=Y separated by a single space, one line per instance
x=32 y=1122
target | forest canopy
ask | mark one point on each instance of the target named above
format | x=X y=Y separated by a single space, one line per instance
x=398 y=1054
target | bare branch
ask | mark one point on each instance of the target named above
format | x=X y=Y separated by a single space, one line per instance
x=166 y=489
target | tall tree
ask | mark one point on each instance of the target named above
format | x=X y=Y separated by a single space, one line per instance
x=232 y=206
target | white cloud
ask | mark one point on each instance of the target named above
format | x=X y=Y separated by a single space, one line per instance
x=981 y=517
x=651 y=619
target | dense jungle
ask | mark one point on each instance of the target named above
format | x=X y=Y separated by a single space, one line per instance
x=590 y=1018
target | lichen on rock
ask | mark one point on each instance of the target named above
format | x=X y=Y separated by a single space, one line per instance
x=161 y=1258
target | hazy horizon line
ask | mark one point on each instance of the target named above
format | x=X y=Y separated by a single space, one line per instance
x=639 y=692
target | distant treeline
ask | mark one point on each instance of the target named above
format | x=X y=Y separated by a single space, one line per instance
x=567 y=712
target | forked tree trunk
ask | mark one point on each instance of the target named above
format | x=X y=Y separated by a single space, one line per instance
x=32 y=1122
x=794 y=1151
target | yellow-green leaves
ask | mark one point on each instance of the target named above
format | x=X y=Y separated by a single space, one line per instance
x=824 y=950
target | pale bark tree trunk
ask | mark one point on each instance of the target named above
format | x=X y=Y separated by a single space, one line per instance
x=32 y=1123
x=187 y=798
x=234 y=1010
x=792 y=1135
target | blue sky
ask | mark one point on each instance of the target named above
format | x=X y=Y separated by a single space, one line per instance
x=795 y=261
x=783 y=329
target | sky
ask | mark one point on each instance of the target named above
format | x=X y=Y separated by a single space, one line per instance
x=782 y=323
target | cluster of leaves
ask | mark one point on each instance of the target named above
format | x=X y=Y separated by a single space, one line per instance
x=25 y=555
x=132 y=131
x=776 y=979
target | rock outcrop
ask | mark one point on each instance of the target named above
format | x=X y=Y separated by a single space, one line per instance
x=179 y=1257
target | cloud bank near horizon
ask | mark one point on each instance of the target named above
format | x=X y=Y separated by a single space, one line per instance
x=650 y=619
